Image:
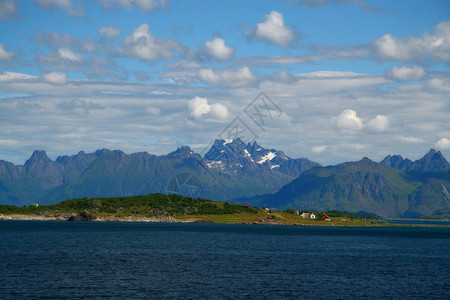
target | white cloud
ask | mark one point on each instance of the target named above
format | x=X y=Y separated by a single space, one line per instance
x=361 y=4
x=347 y=120
x=58 y=40
x=330 y=75
x=8 y=76
x=8 y=9
x=379 y=124
x=55 y=77
x=439 y=84
x=274 y=30
x=145 y=5
x=443 y=144
x=416 y=49
x=411 y=139
x=238 y=78
x=153 y=111
x=318 y=149
x=310 y=101
x=110 y=31
x=4 y=54
x=199 y=107
x=180 y=77
x=63 y=58
x=217 y=49
x=219 y=111
x=66 y=53
x=406 y=73
x=8 y=143
x=284 y=76
x=66 y=5
x=142 y=44
x=184 y=64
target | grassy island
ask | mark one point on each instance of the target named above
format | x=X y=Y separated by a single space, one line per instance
x=176 y=208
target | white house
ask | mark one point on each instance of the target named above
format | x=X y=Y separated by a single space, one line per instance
x=304 y=215
x=312 y=216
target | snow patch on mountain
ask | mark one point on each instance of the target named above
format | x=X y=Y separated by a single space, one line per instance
x=268 y=156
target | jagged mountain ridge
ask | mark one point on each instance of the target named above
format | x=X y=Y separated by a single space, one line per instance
x=367 y=186
x=235 y=170
x=232 y=156
x=432 y=162
x=106 y=173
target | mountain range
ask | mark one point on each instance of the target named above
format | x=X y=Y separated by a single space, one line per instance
x=237 y=172
x=229 y=170
x=395 y=187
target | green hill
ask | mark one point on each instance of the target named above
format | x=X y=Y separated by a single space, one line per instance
x=147 y=205
x=364 y=186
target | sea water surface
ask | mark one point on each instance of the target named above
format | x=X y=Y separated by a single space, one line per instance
x=65 y=260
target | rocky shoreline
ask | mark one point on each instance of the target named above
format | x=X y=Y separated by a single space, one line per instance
x=87 y=217
x=75 y=217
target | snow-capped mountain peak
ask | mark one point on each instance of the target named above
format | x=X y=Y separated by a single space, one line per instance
x=231 y=156
x=236 y=153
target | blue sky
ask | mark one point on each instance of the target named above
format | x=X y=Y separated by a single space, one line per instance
x=351 y=78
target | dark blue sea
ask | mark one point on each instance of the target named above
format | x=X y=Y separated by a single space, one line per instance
x=71 y=260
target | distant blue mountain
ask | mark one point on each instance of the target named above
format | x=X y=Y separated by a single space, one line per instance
x=240 y=170
x=237 y=172
x=394 y=188
x=432 y=162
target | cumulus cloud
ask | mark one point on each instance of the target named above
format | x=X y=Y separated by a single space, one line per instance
x=238 y=78
x=379 y=124
x=434 y=46
x=318 y=149
x=406 y=73
x=145 y=5
x=4 y=54
x=110 y=32
x=219 y=111
x=199 y=108
x=273 y=30
x=8 y=10
x=443 y=144
x=66 y=5
x=217 y=49
x=55 y=77
x=347 y=120
x=142 y=44
x=63 y=58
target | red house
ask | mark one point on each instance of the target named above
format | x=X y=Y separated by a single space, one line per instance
x=326 y=218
